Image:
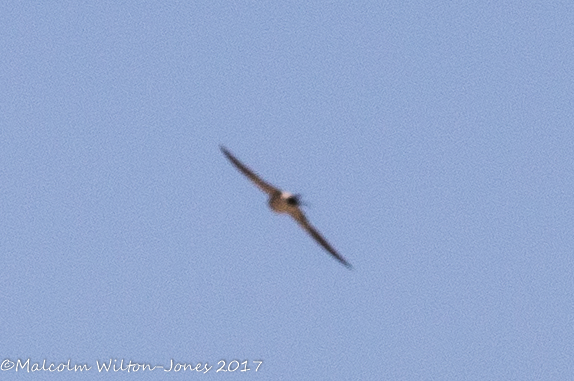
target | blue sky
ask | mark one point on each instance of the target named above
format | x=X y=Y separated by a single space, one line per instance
x=434 y=144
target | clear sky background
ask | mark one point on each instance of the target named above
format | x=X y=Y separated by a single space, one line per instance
x=433 y=141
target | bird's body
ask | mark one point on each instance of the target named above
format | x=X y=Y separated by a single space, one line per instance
x=285 y=202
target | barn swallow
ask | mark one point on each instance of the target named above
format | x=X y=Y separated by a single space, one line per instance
x=285 y=202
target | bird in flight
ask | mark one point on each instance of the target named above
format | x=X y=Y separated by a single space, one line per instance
x=285 y=202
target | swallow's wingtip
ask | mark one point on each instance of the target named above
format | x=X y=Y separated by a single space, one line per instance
x=224 y=150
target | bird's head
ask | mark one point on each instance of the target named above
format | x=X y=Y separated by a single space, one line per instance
x=293 y=199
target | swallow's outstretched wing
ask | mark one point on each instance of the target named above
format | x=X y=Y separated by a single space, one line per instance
x=265 y=187
x=302 y=220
